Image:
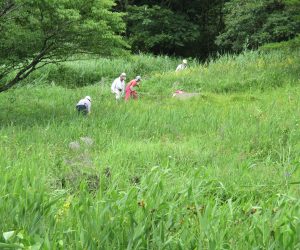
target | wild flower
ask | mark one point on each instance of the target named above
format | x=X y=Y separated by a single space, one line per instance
x=64 y=209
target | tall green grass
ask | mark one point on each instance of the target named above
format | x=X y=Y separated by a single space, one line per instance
x=218 y=171
x=249 y=71
x=83 y=72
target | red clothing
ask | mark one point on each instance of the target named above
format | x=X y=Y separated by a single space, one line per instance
x=179 y=92
x=129 y=92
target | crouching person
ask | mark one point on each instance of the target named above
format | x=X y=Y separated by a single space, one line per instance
x=84 y=105
x=130 y=91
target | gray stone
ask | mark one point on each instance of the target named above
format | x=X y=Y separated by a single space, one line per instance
x=74 y=145
x=87 y=140
x=184 y=96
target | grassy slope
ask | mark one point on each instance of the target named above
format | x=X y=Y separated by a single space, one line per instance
x=211 y=172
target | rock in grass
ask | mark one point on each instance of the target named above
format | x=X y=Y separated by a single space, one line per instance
x=74 y=145
x=87 y=140
x=184 y=95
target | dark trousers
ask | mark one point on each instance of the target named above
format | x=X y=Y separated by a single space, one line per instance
x=82 y=109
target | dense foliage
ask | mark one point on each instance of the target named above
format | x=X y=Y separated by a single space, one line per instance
x=249 y=24
x=201 y=28
x=186 y=28
x=159 y=29
x=35 y=33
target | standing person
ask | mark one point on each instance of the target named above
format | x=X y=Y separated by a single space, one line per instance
x=118 y=86
x=130 y=88
x=84 y=105
x=182 y=66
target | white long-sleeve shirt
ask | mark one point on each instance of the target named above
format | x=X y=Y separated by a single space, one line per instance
x=118 y=86
x=86 y=102
x=181 y=67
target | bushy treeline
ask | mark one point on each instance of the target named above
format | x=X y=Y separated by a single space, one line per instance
x=35 y=33
x=201 y=28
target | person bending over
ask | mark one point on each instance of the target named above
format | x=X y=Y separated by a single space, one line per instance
x=84 y=105
x=130 y=88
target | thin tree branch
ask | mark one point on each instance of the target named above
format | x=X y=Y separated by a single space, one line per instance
x=23 y=73
x=8 y=7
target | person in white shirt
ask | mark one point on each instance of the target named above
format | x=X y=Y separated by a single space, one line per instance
x=182 y=66
x=84 y=105
x=118 y=86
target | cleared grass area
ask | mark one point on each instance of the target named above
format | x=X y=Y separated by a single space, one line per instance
x=217 y=171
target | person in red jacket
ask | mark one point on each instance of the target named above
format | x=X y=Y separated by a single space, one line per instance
x=130 y=88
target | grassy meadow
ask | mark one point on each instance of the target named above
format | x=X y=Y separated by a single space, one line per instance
x=217 y=171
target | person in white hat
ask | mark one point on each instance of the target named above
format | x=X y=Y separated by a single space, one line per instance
x=84 y=105
x=118 y=86
x=182 y=66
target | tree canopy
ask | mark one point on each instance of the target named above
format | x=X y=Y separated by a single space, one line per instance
x=155 y=29
x=38 y=32
x=186 y=28
x=251 y=23
x=199 y=28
